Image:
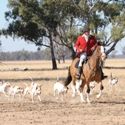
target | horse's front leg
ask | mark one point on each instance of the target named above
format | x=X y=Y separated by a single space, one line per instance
x=100 y=92
x=88 y=93
x=80 y=91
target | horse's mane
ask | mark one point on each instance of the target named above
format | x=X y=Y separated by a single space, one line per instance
x=94 y=53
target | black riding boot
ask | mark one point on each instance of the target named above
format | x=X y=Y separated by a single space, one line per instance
x=79 y=71
x=102 y=74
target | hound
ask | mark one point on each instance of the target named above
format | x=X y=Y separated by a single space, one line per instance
x=3 y=87
x=34 y=90
x=13 y=90
x=113 y=80
x=60 y=89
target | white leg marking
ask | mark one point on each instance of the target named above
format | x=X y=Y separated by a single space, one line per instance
x=99 y=95
x=82 y=98
x=73 y=90
x=39 y=98
x=88 y=100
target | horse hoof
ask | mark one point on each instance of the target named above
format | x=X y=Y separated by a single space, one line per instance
x=73 y=95
x=83 y=101
x=88 y=101
x=98 y=96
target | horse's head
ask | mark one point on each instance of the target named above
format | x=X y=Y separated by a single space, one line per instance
x=100 y=51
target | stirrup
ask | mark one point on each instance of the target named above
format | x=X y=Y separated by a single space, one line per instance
x=104 y=77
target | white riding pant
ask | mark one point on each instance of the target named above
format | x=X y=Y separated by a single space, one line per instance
x=83 y=57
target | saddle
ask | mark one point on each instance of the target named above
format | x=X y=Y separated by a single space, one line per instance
x=77 y=63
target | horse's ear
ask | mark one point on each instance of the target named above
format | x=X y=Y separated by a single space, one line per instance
x=100 y=43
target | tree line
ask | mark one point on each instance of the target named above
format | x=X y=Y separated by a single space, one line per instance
x=38 y=55
x=60 y=55
x=51 y=23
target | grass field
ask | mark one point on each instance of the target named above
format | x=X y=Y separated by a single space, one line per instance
x=108 y=110
x=42 y=69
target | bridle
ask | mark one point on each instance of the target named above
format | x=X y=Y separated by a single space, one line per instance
x=103 y=54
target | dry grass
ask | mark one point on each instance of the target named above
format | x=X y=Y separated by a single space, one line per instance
x=42 y=69
x=30 y=64
x=45 y=69
x=115 y=62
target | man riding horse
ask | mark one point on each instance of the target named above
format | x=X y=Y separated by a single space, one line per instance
x=84 y=47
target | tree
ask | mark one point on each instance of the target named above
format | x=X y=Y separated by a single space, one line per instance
x=113 y=14
x=105 y=18
x=60 y=52
x=31 y=22
x=38 y=21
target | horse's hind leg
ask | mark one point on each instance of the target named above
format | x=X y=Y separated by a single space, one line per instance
x=73 y=88
x=100 y=92
x=78 y=85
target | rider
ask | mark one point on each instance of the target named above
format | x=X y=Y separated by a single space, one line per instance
x=84 y=47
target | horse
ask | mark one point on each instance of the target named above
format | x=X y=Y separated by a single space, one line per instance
x=91 y=71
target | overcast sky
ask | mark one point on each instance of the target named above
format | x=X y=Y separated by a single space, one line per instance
x=8 y=44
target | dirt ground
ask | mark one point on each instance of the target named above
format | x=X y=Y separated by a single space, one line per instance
x=108 y=110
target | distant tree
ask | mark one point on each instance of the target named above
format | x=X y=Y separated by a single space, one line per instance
x=0 y=45
x=0 y=41
x=60 y=52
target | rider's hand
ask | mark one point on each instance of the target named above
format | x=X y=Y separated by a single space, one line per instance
x=80 y=50
x=93 y=48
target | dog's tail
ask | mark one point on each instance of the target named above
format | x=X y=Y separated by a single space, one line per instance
x=32 y=82
x=26 y=84
x=31 y=79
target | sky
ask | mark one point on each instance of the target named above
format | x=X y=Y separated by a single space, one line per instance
x=10 y=45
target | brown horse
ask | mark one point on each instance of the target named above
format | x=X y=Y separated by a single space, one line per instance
x=91 y=72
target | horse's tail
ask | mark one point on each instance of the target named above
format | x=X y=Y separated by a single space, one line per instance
x=68 y=79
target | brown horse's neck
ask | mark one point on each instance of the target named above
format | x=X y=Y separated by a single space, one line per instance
x=94 y=60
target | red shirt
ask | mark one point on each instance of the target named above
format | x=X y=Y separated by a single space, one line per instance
x=82 y=46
